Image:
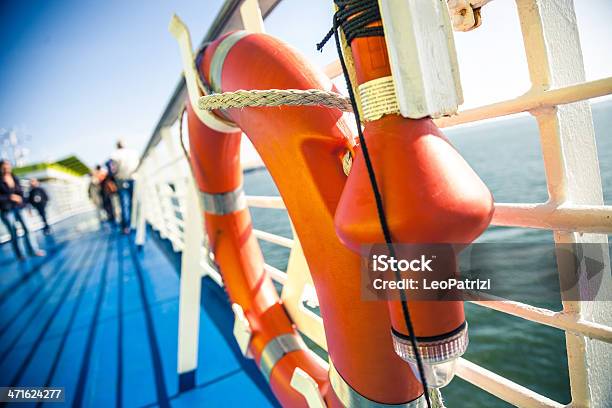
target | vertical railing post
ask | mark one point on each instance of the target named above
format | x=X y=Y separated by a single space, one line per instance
x=140 y=212
x=135 y=204
x=159 y=196
x=153 y=204
x=190 y=289
x=173 y=150
x=567 y=136
x=298 y=279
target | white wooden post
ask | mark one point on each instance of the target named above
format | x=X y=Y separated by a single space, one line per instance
x=423 y=60
x=572 y=170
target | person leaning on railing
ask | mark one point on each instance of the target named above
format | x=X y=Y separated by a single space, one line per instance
x=11 y=203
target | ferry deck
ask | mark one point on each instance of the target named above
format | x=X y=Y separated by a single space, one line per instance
x=99 y=316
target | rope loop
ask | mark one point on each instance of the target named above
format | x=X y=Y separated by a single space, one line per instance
x=275 y=97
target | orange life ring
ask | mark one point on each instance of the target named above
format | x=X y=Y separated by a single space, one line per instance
x=302 y=148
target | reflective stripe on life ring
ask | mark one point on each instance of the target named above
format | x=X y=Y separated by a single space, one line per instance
x=276 y=349
x=216 y=65
x=352 y=399
x=224 y=203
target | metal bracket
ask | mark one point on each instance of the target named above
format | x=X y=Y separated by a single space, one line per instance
x=180 y=32
x=465 y=14
x=308 y=387
x=242 y=330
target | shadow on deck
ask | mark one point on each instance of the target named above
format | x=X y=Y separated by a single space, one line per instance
x=99 y=317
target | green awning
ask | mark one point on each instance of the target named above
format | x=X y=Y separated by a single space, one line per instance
x=71 y=165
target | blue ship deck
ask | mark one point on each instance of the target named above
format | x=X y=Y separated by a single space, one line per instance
x=99 y=317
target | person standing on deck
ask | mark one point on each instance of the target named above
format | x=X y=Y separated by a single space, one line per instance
x=11 y=203
x=38 y=198
x=107 y=189
x=126 y=161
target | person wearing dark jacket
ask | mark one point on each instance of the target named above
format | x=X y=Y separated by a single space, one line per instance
x=11 y=203
x=38 y=198
x=108 y=191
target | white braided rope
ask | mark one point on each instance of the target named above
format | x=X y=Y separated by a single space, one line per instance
x=275 y=97
x=436 y=398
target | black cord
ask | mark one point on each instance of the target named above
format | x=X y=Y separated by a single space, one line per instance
x=353 y=16
x=354 y=28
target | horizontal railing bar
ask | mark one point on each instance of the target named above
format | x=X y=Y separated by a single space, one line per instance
x=524 y=103
x=276 y=274
x=273 y=238
x=265 y=202
x=501 y=387
x=581 y=218
x=558 y=320
x=530 y=101
x=574 y=218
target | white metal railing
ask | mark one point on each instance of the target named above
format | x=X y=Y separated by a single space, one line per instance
x=574 y=213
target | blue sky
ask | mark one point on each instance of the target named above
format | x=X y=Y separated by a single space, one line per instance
x=76 y=75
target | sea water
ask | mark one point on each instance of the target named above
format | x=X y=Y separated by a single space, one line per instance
x=507 y=156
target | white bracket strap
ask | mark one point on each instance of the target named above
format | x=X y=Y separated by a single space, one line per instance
x=276 y=349
x=242 y=330
x=350 y=398
x=180 y=32
x=308 y=387
x=224 y=203
x=218 y=59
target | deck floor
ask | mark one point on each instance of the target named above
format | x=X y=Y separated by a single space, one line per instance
x=100 y=318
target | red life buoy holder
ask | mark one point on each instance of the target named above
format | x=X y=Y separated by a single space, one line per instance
x=430 y=196
x=302 y=148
